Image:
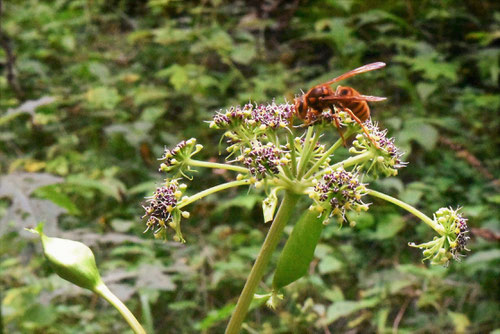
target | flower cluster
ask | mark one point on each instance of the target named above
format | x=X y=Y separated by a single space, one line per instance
x=453 y=240
x=176 y=160
x=387 y=157
x=339 y=191
x=262 y=160
x=259 y=117
x=332 y=116
x=162 y=209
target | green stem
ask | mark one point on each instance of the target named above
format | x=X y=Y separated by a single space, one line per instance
x=215 y=165
x=307 y=153
x=146 y=312
x=353 y=160
x=103 y=291
x=302 y=160
x=291 y=141
x=212 y=190
x=273 y=236
x=408 y=208
x=325 y=156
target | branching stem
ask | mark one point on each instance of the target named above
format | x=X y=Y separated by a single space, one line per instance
x=216 y=165
x=103 y=291
x=273 y=236
x=408 y=208
x=212 y=190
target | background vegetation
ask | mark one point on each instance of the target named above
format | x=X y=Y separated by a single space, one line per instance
x=92 y=91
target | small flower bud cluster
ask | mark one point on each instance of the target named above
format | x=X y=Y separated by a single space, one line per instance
x=262 y=160
x=329 y=117
x=162 y=208
x=318 y=150
x=175 y=160
x=340 y=191
x=259 y=117
x=453 y=238
x=387 y=158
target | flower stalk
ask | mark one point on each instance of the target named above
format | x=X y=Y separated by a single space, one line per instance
x=216 y=165
x=103 y=291
x=285 y=211
x=408 y=208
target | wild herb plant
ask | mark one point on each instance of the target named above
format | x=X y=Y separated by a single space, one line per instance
x=290 y=163
x=293 y=163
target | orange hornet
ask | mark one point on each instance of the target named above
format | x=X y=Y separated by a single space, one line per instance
x=322 y=96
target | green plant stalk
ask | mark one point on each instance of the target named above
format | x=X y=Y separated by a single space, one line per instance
x=212 y=190
x=308 y=153
x=273 y=236
x=353 y=160
x=103 y=291
x=327 y=154
x=215 y=165
x=408 y=208
x=292 y=153
x=302 y=160
x=146 y=312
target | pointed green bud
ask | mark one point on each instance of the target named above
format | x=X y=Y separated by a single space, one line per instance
x=71 y=260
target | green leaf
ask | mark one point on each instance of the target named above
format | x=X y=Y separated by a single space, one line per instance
x=148 y=94
x=214 y=317
x=99 y=70
x=109 y=186
x=54 y=194
x=244 y=201
x=388 y=227
x=484 y=256
x=460 y=321
x=329 y=264
x=243 y=53
x=142 y=188
x=345 y=308
x=411 y=196
x=423 y=133
x=103 y=97
x=425 y=89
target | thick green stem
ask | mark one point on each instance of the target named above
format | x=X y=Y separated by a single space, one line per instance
x=408 y=208
x=212 y=190
x=215 y=165
x=273 y=236
x=103 y=291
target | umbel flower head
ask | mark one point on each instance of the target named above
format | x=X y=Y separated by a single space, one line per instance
x=339 y=191
x=176 y=160
x=387 y=157
x=254 y=116
x=244 y=124
x=453 y=240
x=262 y=160
x=162 y=210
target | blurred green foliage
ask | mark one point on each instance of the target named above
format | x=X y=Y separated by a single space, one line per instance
x=122 y=79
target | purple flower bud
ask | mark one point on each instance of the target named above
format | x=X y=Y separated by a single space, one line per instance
x=341 y=190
